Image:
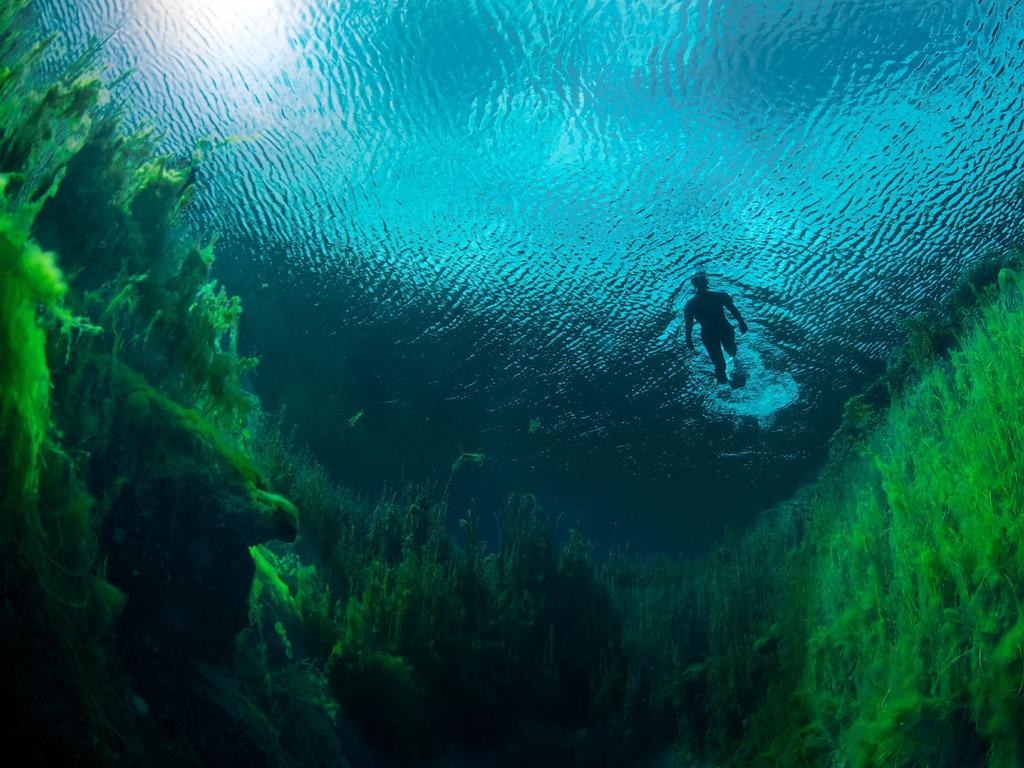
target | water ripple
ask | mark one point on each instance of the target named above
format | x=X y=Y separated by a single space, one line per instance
x=517 y=189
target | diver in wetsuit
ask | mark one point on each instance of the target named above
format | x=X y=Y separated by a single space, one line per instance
x=717 y=333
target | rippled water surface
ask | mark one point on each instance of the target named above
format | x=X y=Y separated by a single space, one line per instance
x=470 y=221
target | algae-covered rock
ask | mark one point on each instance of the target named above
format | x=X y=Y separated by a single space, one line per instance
x=186 y=505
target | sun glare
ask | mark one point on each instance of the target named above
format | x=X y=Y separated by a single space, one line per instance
x=253 y=29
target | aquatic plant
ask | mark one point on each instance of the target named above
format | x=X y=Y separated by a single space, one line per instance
x=46 y=517
x=153 y=292
x=464 y=459
x=932 y=545
x=424 y=642
x=56 y=595
x=90 y=445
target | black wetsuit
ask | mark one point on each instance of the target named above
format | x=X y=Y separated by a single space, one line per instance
x=708 y=309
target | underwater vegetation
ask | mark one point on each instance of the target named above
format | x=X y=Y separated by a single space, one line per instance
x=128 y=508
x=183 y=584
x=426 y=643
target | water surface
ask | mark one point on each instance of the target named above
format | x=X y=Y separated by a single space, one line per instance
x=467 y=221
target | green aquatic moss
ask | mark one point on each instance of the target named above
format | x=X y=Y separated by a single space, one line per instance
x=382 y=694
x=281 y=515
x=135 y=274
x=146 y=406
x=877 y=624
x=71 y=183
x=269 y=579
x=57 y=594
x=141 y=398
x=29 y=278
x=492 y=646
x=916 y=653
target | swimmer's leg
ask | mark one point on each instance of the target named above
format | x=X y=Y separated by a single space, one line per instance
x=729 y=341
x=736 y=376
x=713 y=345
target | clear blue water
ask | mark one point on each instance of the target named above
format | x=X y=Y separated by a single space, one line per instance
x=467 y=220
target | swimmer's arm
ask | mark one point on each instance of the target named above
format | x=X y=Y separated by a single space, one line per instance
x=688 y=315
x=735 y=313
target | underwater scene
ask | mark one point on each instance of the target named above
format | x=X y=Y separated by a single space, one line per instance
x=503 y=383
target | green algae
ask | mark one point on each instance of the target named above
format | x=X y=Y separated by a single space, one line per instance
x=425 y=643
x=142 y=400
x=382 y=692
x=29 y=277
x=268 y=579
x=932 y=557
x=74 y=193
x=151 y=289
x=47 y=539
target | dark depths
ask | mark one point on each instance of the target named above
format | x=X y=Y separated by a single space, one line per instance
x=382 y=401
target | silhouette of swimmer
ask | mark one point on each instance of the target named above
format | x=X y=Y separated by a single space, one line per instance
x=708 y=308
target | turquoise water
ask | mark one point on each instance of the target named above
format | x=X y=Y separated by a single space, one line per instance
x=468 y=221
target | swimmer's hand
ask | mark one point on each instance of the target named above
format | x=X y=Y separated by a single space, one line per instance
x=743 y=327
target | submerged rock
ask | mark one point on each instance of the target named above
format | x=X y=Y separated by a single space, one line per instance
x=184 y=508
x=181 y=507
